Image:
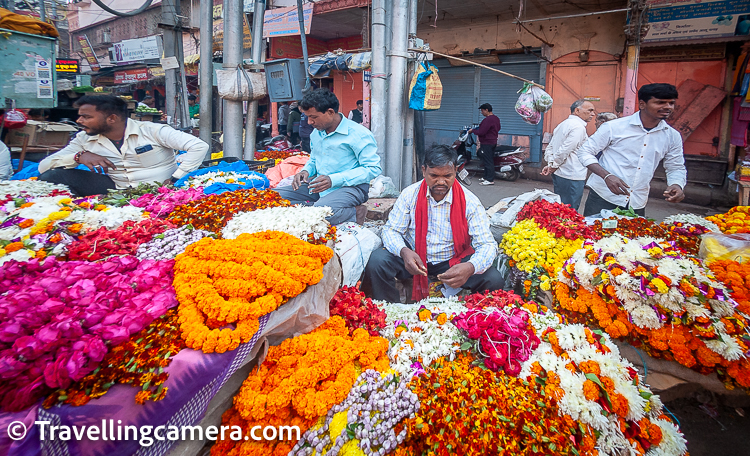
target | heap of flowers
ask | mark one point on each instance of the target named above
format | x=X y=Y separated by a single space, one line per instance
x=138 y=362
x=299 y=382
x=123 y=196
x=736 y=277
x=234 y=282
x=530 y=246
x=685 y=236
x=58 y=319
x=276 y=154
x=302 y=222
x=247 y=179
x=499 y=299
x=560 y=220
x=691 y=220
x=213 y=212
x=125 y=240
x=667 y=303
x=736 y=220
x=418 y=338
x=15 y=189
x=501 y=338
x=357 y=310
x=368 y=421
x=468 y=410
x=584 y=374
x=162 y=202
x=169 y=244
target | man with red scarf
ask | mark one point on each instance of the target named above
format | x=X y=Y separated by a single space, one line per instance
x=435 y=229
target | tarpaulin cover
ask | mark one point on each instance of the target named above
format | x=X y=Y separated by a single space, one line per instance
x=254 y=180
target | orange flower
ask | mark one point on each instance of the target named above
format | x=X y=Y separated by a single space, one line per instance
x=26 y=223
x=13 y=247
x=75 y=228
x=590 y=390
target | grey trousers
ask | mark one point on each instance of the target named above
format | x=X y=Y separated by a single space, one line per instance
x=570 y=191
x=342 y=201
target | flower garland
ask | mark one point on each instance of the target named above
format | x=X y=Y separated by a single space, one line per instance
x=169 y=244
x=57 y=319
x=14 y=189
x=357 y=310
x=299 y=221
x=529 y=246
x=559 y=219
x=468 y=410
x=125 y=240
x=418 y=338
x=368 y=420
x=139 y=362
x=213 y=212
x=225 y=177
x=736 y=220
x=298 y=383
x=277 y=154
x=691 y=219
x=162 y=202
x=685 y=237
x=222 y=282
x=668 y=304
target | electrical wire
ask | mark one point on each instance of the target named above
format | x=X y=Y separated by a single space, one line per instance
x=106 y=8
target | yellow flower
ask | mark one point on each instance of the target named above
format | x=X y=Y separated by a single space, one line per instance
x=2 y=252
x=59 y=215
x=660 y=285
x=65 y=201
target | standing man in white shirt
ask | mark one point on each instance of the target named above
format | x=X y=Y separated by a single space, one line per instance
x=632 y=148
x=120 y=152
x=568 y=174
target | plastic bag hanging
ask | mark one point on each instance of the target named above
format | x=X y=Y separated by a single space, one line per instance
x=532 y=102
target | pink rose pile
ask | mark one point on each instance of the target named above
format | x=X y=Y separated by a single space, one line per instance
x=503 y=338
x=58 y=319
x=164 y=202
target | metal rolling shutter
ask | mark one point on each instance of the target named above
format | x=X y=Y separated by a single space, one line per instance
x=457 y=106
x=501 y=92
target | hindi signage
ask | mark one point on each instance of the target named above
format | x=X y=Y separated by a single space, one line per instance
x=137 y=50
x=285 y=21
x=131 y=76
x=88 y=52
x=679 y=20
x=67 y=66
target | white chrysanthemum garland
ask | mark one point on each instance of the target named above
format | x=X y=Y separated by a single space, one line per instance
x=649 y=299
x=222 y=177
x=29 y=188
x=691 y=219
x=419 y=343
x=299 y=221
x=572 y=349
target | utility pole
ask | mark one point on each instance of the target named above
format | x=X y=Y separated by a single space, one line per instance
x=635 y=30
x=206 y=72
x=407 y=166
x=378 y=78
x=233 y=32
x=259 y=10
x=42 y=11
x=397 y=82
x=172 y=36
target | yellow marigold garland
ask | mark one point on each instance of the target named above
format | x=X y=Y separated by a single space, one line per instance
x=221 y=282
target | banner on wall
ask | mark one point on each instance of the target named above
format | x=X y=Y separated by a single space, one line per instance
x=680 y=20
x=88 y=52
x=285 y=21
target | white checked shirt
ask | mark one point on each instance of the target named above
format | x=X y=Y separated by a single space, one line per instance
x=633 y=153
x=561 y=151
x=156 y=165
x=401 y=225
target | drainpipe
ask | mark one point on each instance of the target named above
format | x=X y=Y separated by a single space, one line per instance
x=397 y=82
x=377 y=78
x=407 y=165
x=233 y=32
x=631 y=81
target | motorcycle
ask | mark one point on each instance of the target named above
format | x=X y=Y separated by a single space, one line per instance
x=508 y=160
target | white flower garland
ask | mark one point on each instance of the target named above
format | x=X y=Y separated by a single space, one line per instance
x=221 y=177
x=29 y=188
x=691 y=219
x=299 y=221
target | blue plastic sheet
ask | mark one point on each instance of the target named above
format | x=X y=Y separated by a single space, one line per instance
x=31 y=169
x=254 y=180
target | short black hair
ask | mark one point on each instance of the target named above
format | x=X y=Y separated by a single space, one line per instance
x=659 y=90
x=576 y=104
x=439 y=155
x=192 y=97
x=108 y=104
x=486 y=106
x=360 y=102
x=320 y=99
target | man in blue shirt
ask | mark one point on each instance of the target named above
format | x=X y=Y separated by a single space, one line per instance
x=343 y=160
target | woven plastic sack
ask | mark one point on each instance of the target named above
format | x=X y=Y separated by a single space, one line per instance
x=425 y=90
x=237 y=84
x=732 y=247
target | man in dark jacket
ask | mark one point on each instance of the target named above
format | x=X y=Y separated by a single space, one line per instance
x=487 y=139
x=305 y=130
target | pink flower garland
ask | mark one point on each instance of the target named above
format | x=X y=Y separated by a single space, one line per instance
x=164 y=202
x=59 y=318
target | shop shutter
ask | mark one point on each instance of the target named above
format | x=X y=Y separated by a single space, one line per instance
x=457 y=106
x=502 y=93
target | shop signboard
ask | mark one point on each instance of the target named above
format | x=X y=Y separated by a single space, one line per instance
x=131 y=76
x=67 y=66
x=136 y=50
x=88 y=52
x=680 y=20
x=285 y=21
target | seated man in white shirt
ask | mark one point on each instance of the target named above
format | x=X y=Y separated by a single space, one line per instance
x=120 y=152
x=435 y=229
x=568 y=174
x=632 y=148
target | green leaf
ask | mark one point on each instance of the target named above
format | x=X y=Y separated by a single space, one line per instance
x=447 y=418
x=146 y=385
x=646 y=395
x=505 y=419
x=552 y=447
x=540 y=403
x=465 y=346
x=436 y=385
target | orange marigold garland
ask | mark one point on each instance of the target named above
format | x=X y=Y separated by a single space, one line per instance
x=223 y=282
x=299 y=382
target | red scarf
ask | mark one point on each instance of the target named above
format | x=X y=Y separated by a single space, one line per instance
x=459 y=225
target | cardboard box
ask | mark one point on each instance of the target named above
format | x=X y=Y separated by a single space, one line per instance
x=41 y=134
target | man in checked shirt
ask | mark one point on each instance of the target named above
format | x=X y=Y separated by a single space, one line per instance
x=435 y=229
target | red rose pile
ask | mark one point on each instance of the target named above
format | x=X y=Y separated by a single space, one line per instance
x=559 y=219
x=357 y=310
x=497 y=298
x=102 y=243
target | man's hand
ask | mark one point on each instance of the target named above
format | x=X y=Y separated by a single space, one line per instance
x=617 y=185
x=94 y=161
x=547 y=170
x=674 y=193
x=456 y=276
x=299 y=179
x=320 y=184
x=413 y=263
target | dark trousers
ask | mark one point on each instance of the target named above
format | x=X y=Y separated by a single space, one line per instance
x=81 y=183
x=486 y=153
x=595 y=204
x=342 y=201
x=384 y=267
x=570 y=191
x=306 y=144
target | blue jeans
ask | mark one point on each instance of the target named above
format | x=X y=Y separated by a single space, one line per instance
x=570 y=191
